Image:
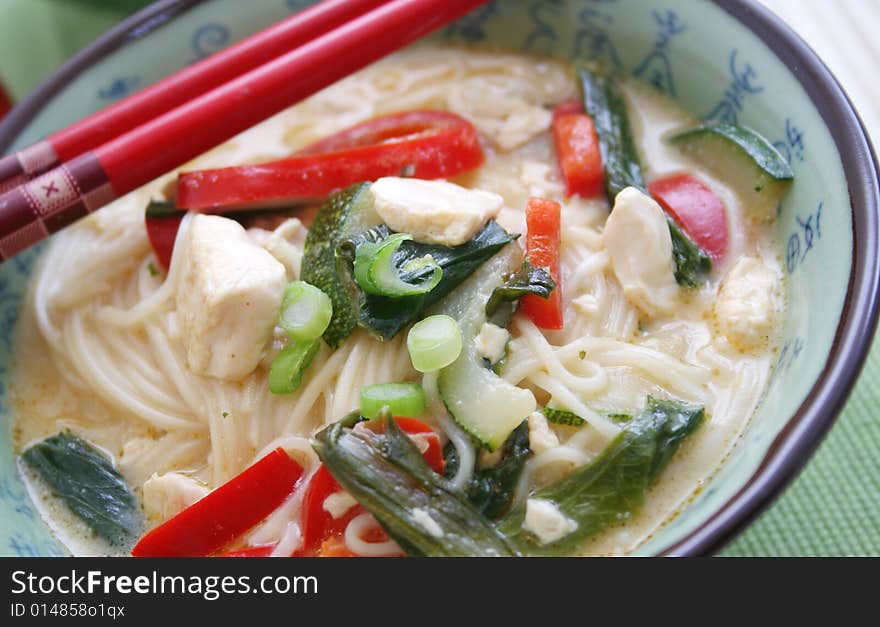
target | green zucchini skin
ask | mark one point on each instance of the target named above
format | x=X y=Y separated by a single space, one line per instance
x=343 y=215
x=88 y=484
x=754 y=145
x=485 y=405
x=745 y=160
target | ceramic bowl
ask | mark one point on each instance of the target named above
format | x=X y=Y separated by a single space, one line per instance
x=722 y=59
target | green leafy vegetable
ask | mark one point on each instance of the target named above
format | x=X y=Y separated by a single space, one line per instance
x=611 y=488
x=491 y=489
x=571 y=419
x=562 y=417
x=690 y=261
x=85 y=480
x=528 y=280
x=605 y=104
x=386 y=474
x=162 y=209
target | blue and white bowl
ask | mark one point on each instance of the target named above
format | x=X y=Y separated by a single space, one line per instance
x=722 y=59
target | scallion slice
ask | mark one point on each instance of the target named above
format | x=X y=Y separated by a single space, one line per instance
x=286 y=371
x=402 y=399
x=375 y=272
x=434 y=343
x=305 y=311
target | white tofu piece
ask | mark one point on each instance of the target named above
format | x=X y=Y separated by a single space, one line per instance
x=491 y=342
x=541 y=436
x=228 y=296
x=545 y=520
x=747 y=305
x=169 y=494
x=434 y=212
x=338 y=503
x=640 y=247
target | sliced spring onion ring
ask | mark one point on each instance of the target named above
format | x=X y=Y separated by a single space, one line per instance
x=402 y=399
x=286 y=371
x=375 y=272
x=434 y=343
x=305 y=311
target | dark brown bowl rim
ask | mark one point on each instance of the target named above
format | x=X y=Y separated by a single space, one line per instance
x=803 y=433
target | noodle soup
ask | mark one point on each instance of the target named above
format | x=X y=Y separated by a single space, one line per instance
x=667 y=326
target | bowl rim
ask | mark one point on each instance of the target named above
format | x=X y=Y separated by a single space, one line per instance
x=804 y=431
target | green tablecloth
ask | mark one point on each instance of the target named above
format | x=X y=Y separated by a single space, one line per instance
x=832 y=508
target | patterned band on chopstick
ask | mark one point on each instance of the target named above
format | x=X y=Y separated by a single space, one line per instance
x=36 y=209
x=15 y=169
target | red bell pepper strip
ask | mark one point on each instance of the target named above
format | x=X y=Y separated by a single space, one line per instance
x=318 y=526
x=224 y=514
x=577 y=150
x=542 y=250
x=423 y=144
x=696 y=209
x=162 y=231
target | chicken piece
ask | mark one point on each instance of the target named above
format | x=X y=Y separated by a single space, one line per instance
x=640 y=247
x=434 y=212
x=169 y=494
x=745 y=310
x=228 y=296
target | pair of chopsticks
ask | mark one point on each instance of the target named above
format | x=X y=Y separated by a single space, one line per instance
x=122 y=147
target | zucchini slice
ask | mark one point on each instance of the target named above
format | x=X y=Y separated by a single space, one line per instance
x=343 y=215
x=758 y=173
x=484 y=404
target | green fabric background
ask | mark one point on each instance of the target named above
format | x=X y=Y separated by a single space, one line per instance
x=831 y=509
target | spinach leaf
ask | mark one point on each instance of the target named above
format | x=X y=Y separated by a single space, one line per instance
x=528 y=280
x=605 y=104
x=491 y=489
x=386 y=473
x=690 y=261
x=78 y=474
x=571 y=419
x=611 y=488
x=385 y=316
x=562 y=417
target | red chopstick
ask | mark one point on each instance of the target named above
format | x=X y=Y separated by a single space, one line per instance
x=179 y=88
x=37 y=208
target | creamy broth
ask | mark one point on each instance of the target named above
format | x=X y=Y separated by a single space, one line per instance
x=119 y=379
